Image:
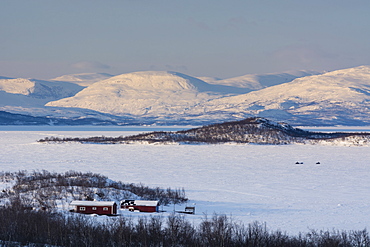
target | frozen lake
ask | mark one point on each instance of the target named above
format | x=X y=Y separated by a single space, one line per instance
x=248 y=182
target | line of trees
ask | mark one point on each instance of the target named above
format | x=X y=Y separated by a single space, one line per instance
x=36 y=228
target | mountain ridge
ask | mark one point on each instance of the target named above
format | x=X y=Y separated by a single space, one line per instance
x=340 y=97
x=332 y=98
x=39 y=88
x=260 y=81
x=83 y=79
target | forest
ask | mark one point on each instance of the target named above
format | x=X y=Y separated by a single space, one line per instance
x=26 y=221
x=20 y=227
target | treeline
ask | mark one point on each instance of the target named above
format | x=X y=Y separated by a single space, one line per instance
x=30 y=228
x=43 y=188
x=94 y=139
x=250 y=130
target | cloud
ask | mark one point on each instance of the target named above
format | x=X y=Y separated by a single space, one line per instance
x=88 y=65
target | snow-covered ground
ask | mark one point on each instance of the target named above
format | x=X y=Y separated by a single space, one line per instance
x=248 y=182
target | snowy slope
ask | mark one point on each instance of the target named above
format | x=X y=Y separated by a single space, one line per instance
x=259 y=81
x=83 y=79
x=29 y=96
x=20 y=100
x=336 y=97
x=38 y=88
x=149 y=93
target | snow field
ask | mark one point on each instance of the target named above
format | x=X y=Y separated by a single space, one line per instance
x=247 y=182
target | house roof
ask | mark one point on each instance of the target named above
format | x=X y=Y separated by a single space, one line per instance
x=92 y=203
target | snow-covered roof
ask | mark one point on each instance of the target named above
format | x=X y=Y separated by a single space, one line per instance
x=143 y=203
x=92 y=203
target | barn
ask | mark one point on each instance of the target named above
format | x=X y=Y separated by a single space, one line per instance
x=95 y=207
x=140 y=205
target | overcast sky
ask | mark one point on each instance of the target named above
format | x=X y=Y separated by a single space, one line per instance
x=219 y=38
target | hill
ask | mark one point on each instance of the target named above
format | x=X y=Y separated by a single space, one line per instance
x=149 y=94
x=250 y=130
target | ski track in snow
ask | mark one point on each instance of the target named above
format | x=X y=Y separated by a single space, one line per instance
x=248 y=182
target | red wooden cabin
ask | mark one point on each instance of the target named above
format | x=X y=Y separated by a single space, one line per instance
x=95 y=207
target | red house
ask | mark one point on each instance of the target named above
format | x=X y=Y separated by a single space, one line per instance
x=95 y=207
x=140 y=205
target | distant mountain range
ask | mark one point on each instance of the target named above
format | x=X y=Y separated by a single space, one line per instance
x=338 y=97
x=83 y=79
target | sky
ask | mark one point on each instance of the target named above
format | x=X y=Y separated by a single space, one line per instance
x=44 y=39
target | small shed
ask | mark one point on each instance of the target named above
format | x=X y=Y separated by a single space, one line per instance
x=95 y=207
x=188 y=210
x=140 y=205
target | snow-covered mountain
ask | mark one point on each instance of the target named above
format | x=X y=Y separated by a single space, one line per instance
x=339 y=97
x=29 y=96
x=38 y=88
x=149 y=94
x=83 y=79
x=254 y=82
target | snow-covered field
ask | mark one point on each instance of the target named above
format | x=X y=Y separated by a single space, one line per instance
x=248 y=182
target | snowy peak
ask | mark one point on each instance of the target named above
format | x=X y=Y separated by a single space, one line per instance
x=38 y=88
x=347 y=85
x=83 y=79
x=352 y=77
x=337 y=86
x=156 y=80
x=17 y=86
x=259 y=81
